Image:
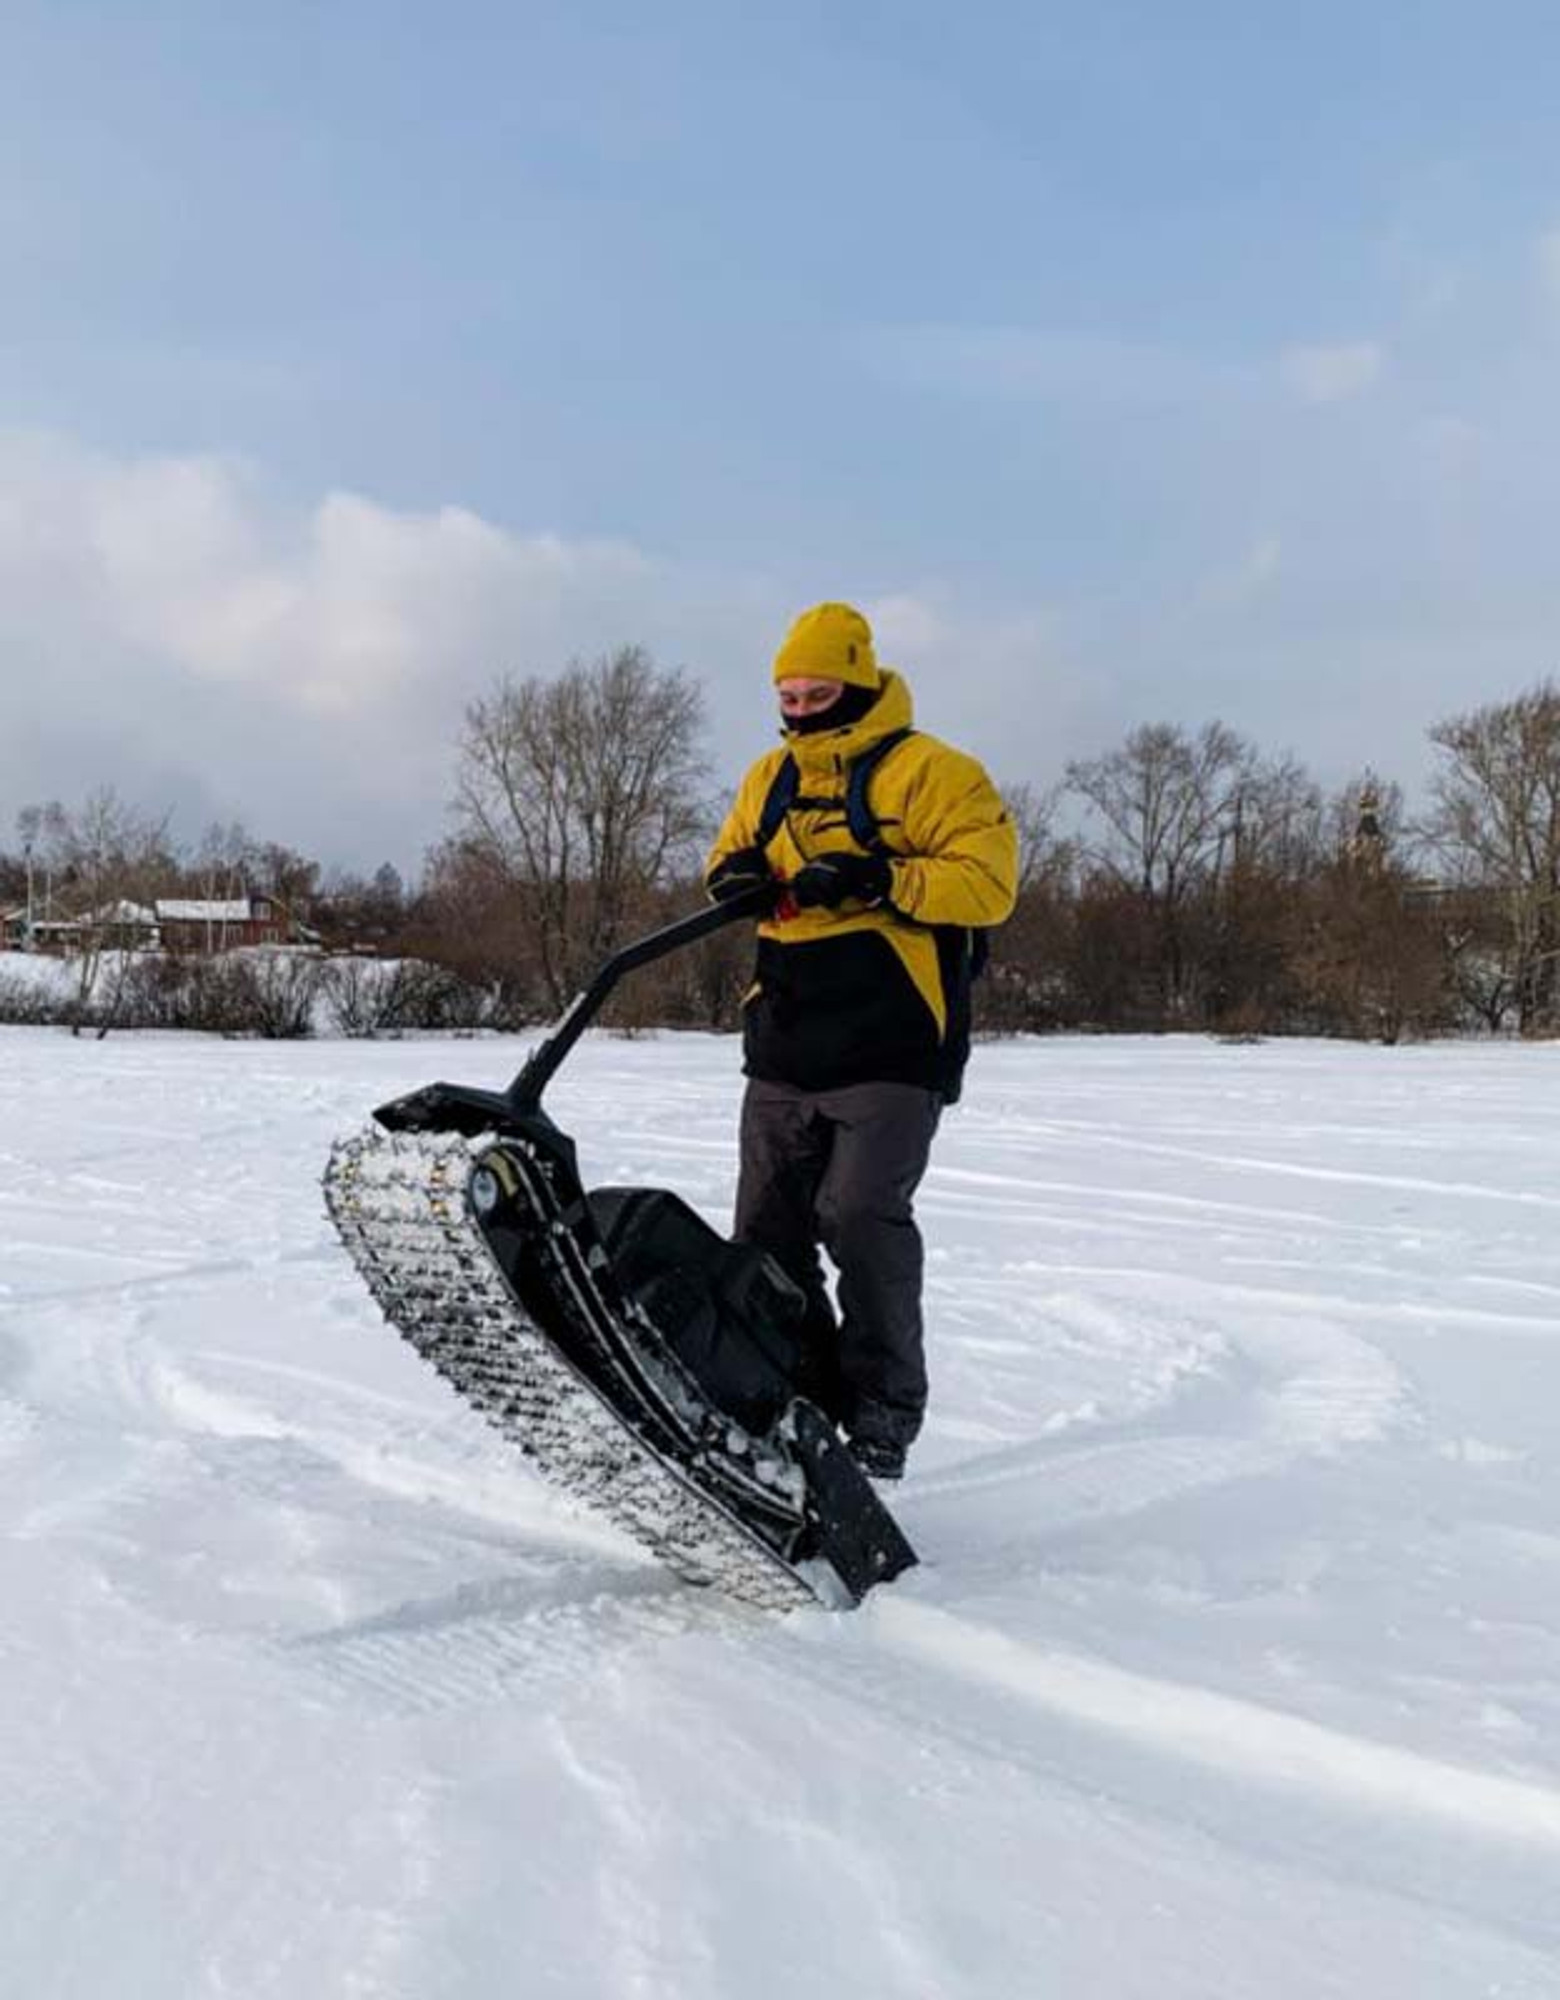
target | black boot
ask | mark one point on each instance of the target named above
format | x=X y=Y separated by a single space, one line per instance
x=879 y=1457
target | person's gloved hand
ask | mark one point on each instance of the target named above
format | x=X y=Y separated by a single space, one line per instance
x=841 y=878
x=739 y=871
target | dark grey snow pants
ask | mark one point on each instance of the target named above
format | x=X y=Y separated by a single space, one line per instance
x=840 y=1168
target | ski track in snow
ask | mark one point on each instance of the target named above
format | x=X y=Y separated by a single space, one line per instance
x=1236 y=1517
x=1195 y=1726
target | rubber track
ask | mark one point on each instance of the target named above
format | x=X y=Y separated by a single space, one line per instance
x=399 y=1201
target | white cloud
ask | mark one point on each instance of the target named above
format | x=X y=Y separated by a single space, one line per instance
x=906 y=625
x=328 y=608
x=174 y=627
x=1333 y=374
x=178 y=627
x=166 y=622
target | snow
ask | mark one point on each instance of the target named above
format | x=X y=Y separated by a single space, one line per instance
x=39 y=972
x=1233 y=1665
x=182 y=910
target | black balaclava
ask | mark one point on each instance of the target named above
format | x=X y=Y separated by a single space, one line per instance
x=853 y=704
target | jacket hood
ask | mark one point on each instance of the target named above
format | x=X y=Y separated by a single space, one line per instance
x=824 y=751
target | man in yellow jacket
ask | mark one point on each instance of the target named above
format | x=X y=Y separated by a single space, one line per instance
x=891 y=852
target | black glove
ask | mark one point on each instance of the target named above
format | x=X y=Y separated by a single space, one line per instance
x=839 y=878
x=740 y=871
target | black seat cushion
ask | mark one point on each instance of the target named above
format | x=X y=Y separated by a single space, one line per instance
x=727 y=1310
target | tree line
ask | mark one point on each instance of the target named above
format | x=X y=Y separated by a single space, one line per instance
x=1184 y=879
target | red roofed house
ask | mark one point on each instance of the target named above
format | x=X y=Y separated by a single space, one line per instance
x=207 y=926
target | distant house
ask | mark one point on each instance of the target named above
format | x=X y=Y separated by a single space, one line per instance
x=172 y=923
x=186 y=925
x=120 y=926
x=52 y=934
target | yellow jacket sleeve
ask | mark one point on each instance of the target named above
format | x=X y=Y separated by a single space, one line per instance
x=739 y=828
x=961 y=866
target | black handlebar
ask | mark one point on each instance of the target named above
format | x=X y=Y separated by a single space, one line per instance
x=449 y=1107
x=525 y=1092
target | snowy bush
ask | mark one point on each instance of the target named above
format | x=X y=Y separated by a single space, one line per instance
x=366 y=997
x=27 y=1003
x=274 y=994
x=269 y=994
x=277 y=990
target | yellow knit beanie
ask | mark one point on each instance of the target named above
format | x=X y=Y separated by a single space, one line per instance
x=832 y=642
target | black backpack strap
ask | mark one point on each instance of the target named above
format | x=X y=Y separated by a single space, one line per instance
x=784 y=795
x=779 y=801
x=865 y=826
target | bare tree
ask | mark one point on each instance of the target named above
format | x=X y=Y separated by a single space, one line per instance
x=588 y=790
x=273 y=869
x=1169 y=803
x=1021 y=989
x=224 y=861
x=1368 y=957
x=1496 y=822
x=1165 y=797
x=467 y=917
x=221 y=869
x=1472 y=930
x=108 y=859
x=1274 y=818
x=1044 y=854
x=354 y=913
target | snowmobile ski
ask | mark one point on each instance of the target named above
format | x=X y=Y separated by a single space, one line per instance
x=646 y=1366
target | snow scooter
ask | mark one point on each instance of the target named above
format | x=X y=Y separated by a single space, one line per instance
x=648 y=1366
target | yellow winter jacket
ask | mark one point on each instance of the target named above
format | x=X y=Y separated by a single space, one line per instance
x=862 y=994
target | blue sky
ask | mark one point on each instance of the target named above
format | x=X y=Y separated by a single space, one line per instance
x=1126 y=361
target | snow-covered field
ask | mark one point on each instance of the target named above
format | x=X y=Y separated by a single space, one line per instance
x=1233 y=1668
